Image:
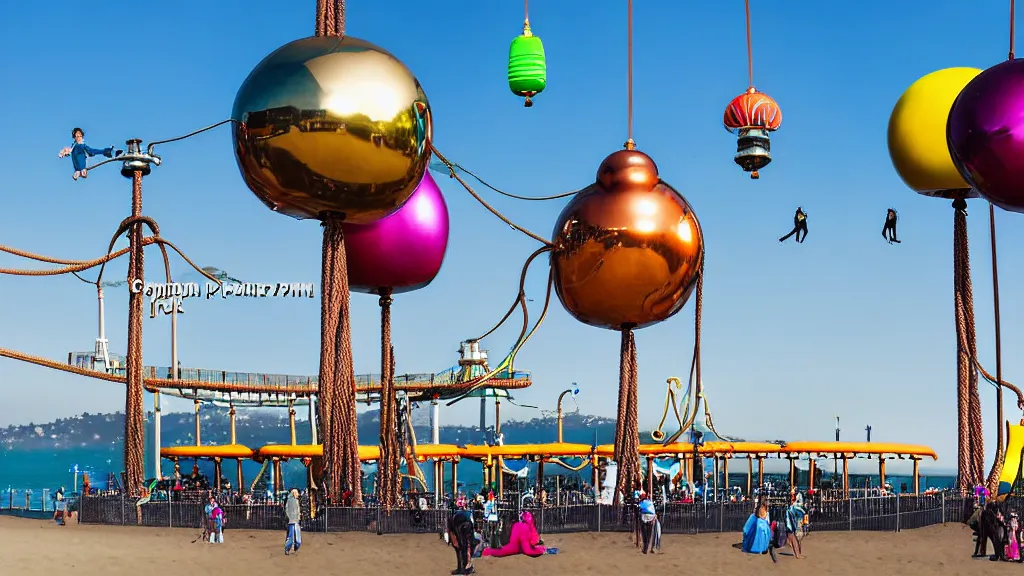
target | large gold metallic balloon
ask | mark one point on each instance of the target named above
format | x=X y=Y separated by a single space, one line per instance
x=628 y=248
x=332 y=125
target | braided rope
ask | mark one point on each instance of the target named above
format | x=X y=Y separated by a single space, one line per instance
x=39 y=257
x=346 y=380
x=330 y=17
x=329 y=317
x=337 y=376
x=134 y=412
x=627 y=432
x=970 y=440
x=389 y=486
x=72 y=268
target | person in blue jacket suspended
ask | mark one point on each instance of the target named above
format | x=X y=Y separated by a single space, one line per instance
x=80 y=152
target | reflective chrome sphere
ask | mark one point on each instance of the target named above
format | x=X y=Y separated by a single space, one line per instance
x=404 y=251
x=628 y=249
x=332 y=125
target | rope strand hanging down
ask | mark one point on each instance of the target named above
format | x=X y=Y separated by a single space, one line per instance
x=389 y=483
x=337 y=380
x=627 y=432
x=458 y=167
x=971 y=455
x=337 y=377
x=750 y=48
x=330 y=17
x=452 y=173
x=134 y=414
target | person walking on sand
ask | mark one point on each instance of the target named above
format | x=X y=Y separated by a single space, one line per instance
x=293 y=540
x=794 y=523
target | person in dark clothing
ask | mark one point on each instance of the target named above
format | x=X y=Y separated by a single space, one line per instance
x=461 y=535
x=799 y=225
x=991 y=527
x=889 y=229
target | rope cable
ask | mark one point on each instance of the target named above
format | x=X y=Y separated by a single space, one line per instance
x=524 y=337
x=452 y=173
x=497 y=190
x=630 y=144
x=189 y=135
x=750 y=48
x=1012 y=28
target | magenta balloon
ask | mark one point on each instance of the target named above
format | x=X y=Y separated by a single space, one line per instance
x=403 y=251
x=985 y=134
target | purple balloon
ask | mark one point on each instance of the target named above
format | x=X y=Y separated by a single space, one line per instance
x=985 y=134
x=403 y=251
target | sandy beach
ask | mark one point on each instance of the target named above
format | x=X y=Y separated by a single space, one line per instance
x=31 y=547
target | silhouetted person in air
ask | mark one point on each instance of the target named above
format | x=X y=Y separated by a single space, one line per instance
x=799 y=225
x=889 y=230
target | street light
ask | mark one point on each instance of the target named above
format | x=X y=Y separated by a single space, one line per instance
x=835 y=462
x=573 y=391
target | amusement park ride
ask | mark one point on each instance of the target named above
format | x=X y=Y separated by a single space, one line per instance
x=349 y=142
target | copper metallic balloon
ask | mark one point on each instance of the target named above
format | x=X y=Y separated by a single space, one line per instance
x=332 y=125
x=628 y=248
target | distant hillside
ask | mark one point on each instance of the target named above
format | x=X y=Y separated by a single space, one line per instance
x=260 y=427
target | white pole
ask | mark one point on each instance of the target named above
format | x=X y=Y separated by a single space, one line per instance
x=156 y=393
x=435 y=437
x=435 y=425
x=101 y=342
x=312 y=419
x=174 y=341
x=156 y=435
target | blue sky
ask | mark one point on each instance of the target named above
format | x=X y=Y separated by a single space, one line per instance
x=793 y=333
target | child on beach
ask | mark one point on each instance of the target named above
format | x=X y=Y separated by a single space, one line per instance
x=218 y=525
x=293 y=540
x=80 y=152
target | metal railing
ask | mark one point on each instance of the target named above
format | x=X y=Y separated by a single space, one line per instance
x=447 y=377
x=884 y=513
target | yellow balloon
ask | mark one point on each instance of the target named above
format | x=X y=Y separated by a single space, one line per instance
x=917 y=133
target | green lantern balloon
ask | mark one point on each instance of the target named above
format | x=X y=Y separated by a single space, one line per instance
x=527 y=67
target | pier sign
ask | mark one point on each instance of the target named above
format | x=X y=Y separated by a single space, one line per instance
x=167 y=297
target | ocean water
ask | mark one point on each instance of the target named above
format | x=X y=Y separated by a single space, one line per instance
x=34 y=471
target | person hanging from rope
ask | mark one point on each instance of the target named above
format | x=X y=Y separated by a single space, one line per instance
x=889 y=230
x=80 y=152
x=799 y=225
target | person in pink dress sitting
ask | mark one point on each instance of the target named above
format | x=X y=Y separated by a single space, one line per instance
x=524 y=539
x=1012 y=538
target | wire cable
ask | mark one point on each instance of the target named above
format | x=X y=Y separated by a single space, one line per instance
x=491 y=209
x=149 y=147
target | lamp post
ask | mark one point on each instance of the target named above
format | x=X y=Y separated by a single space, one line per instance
x=835 y=462
x=573 y=391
